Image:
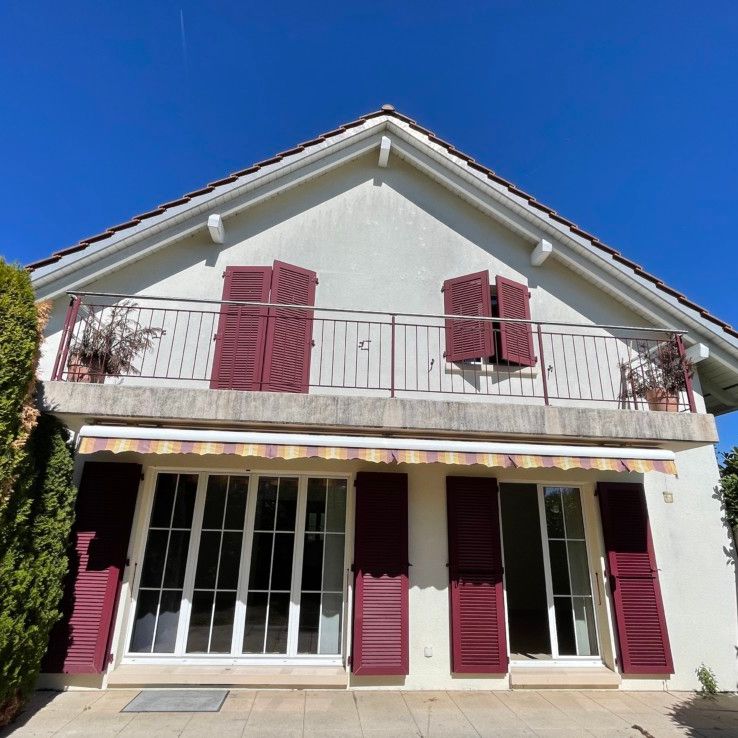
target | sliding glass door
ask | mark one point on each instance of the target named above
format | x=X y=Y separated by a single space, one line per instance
x=246 y=567
x=548 y=579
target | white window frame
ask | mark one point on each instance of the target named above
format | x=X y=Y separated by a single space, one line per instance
x=585 y=492
x=235 y=658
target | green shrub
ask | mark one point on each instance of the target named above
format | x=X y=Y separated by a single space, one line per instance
x=729 y=486
x=36 y=497
x=706 y=677
x=19 y=341
x=34 y=531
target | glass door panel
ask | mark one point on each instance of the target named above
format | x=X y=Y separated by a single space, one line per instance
x=165 y=559
x=321 y=588
x=570 y=580
x=270 y=574
x=216 y=574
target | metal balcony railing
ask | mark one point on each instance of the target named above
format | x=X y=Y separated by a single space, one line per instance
x=161 y=340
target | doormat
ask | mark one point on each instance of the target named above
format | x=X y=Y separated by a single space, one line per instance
x=177 y=700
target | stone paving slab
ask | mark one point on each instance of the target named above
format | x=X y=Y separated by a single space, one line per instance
x=388 y=714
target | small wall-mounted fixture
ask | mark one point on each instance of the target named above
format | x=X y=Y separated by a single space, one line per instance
x=216 y=228
x=668 y=496
x=428 y=651
x=384 y=151
x=541 y=252
x=698 y=352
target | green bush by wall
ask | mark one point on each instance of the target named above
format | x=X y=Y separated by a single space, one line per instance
x=19 y=341
x=36 y=498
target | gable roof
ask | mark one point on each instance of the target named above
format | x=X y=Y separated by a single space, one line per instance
x=390 y=112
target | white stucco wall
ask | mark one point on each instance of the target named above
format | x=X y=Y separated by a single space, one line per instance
x=697 y=576
x=379 y=239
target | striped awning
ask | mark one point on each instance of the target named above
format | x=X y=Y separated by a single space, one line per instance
x=119 y=439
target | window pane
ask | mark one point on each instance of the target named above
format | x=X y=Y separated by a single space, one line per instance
x=184 y=505
x=282 y=566
x=161 y=513
x=266 y=502
x=236 y=507
x=174 y=572
x=584 y=626
x=143 y=627
x=261 y=558
x=330 y=624
x=287 y=507
x=253 y=635
x=153 y=566
x=207 y=560
x=565 y=626
x=554 y=514
x=215 y=502
x=225 y=608
x=559 y=568
x=166 y=628
x=199 y=630
x=279 y=606
x=312 y=562
x=580 y=582
x=307 y=639
x=230 y=557
x=336 y=512
x=572 y=512
x=333 y=566
x=315 y=510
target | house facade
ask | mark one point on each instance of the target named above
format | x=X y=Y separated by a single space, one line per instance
x=367 y=415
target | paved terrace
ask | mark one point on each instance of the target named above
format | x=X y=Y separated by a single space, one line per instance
x=387 y=714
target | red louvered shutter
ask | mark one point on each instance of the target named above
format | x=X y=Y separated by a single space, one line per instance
x=634 y=580
x=80 y=641
x=289 y=331
x=468 y=339
x=516 y=339
x=240 y=340
x=478 y=637
x=380 y=643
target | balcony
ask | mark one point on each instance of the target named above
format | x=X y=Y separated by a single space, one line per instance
x=163 y=341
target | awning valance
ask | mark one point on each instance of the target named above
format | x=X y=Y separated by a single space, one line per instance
x=119 y=439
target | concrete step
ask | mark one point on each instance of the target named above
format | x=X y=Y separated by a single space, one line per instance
x=289 y=677
x=563 y=677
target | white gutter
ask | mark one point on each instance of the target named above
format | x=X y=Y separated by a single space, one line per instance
x=405 y=444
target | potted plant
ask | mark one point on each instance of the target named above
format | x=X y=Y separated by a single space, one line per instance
x=659 y=375
x=109 y=344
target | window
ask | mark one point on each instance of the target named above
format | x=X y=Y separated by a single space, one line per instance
x=509 y=342
x=246 y=566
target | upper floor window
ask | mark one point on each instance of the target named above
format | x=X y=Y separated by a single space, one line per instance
x=474 y=340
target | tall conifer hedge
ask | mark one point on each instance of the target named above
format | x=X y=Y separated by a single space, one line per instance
x=36 y=498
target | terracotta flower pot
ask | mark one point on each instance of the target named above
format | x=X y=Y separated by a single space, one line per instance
x=661 y=401
x=83 y=370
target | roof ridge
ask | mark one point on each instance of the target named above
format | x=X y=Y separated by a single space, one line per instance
x=389 y=110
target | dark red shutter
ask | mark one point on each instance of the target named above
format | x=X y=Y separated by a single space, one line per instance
x=80 y=641
x=634 y=580
x=380 y=644
x=478 y=637
x=468 y=339
x=516 y=339
x=289 y=331
x=241 y=336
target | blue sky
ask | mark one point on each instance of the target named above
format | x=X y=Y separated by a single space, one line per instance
x=622 y=117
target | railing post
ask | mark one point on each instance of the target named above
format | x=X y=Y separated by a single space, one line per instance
x=544 y=377
x=392 y=356
x=66 y=338
x=687 y=375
